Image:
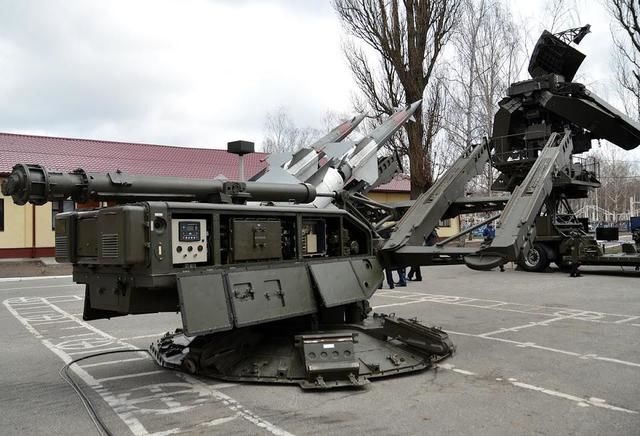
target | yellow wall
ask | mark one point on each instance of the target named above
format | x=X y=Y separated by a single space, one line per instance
x=394 y=197
x=18 y=222
x=452 y=229
x=388 y=197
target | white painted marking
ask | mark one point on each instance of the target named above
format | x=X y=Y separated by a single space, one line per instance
x=24 y=279
x=123 y=405
x=64 y=298
x=237 y=407
x=77 y=335
x=582 y=402
x=631 y=318
x=114 y=362
x=597 y=400
x=463 y=371
x=582 y=315
x=156 y=335
x=219 y=421
x=453 y=368
x=60 y=321
x=134 y=424
x=37 y=309
x=578 y=400
x=544 y=323
x=85 y=343
x=101 y=350
x=582 y=356
x=32 y=288
x=612 y=360
x=223 y=385
x=121 y=377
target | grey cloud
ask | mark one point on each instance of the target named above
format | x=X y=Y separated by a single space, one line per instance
x=78 y=68
x=62 y=66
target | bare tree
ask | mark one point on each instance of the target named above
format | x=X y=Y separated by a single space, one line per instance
x=626 y=38
x=488 y=57
x=282 y=135
x=405 y=39
x=620 y=182
x=561 y=14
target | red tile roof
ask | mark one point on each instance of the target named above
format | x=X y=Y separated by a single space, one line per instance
x=400 y=183
x=67 y=154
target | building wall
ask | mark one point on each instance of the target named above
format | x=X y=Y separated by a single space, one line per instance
x=16 y=240
x=453 y=227
x=444 y=231
x=389 y=197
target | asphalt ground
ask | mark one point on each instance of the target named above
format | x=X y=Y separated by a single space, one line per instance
x=538 y=353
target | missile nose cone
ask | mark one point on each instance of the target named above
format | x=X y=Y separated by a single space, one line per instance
x=358 y=119
x=413 y=106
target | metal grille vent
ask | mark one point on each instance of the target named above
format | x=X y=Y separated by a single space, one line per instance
x=62 y=247
x=110 y=245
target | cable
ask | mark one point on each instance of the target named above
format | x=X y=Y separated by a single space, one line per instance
x=86 y=402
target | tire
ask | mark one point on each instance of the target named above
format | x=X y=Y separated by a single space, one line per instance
x=190 y=365
x=536 y=259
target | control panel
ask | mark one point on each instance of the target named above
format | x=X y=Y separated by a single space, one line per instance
x=188 y=240
x=314 y=237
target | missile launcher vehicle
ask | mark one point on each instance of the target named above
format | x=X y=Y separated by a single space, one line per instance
x=541 y=126
x=272 y=280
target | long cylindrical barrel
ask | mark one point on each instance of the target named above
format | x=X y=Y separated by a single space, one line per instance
x=34 y=184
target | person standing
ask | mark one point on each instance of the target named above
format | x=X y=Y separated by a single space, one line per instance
x=402 y=277
x=388 y=272
x=414 y=271
x=429 y=240
x=489 y=234
x=576 y=242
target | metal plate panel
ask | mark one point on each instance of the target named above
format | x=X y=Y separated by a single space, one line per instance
x=337 y=283
x=369 y=273
x=203 y=303
x=266 y=295
x=256 y=240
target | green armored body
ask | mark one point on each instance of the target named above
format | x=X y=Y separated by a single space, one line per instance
x=270 y=286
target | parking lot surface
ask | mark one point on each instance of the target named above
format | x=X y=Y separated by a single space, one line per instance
x=538 y=353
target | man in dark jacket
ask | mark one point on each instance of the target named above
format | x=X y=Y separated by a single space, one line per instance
x=429 y=240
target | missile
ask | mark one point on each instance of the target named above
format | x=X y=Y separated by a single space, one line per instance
x=356 y=165
x=360 y=163
x=307 y=158
x=338 y=133
x=305 y=161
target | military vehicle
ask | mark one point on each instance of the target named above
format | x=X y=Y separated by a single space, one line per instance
x=634 y=227
x=540 y=127
x=272 y=280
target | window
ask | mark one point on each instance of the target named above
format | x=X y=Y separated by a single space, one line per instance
x=1 y=214
x=58 y=207
x=445 y=223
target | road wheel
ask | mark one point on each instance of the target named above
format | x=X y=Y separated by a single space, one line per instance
x=535 y=260
x=190 y=365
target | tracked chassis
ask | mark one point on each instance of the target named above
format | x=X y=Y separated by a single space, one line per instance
x=345 y=355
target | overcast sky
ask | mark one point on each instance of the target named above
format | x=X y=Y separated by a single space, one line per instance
x=193 y=72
